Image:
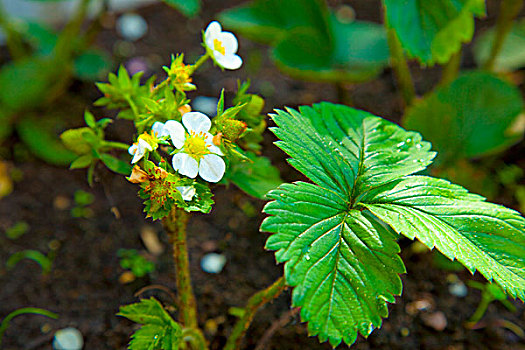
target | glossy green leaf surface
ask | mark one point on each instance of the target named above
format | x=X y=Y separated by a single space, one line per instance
x=482 y=236
x=473 y=116
x=512 y=54
x=433 y=30
x=337 y=236
x=158 y=330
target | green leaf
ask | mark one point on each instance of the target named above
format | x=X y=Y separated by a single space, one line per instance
x=188 y=8
x=482 y=236
x=433 y=31
x=269 y=21
x=81 y=162
x=159 y=330
x=359 y=53
x=41 y=138
x=75 y=141
x=337 y=236
x=92 y=65
x=512 y=54
x=115 y=164
x=473 y=116
x=255 y=177
x=342 y=262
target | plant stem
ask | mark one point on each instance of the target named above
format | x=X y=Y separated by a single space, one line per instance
x=343 y=95
x=199 y=62
x=451 y=69
x=400 y=66
x=509 y=10
x=25 y=310
x=114 y=144
x=14 y=41
x=486 y=299
x=256 y=301
x=175 y=226
x=399 y=63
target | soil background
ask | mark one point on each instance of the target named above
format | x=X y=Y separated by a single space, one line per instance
x=83 y=286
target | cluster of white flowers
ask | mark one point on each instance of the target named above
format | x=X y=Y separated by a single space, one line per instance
x=195 y=152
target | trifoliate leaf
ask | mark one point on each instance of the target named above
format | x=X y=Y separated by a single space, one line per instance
x=158 y=331
x=471 y=117
x=337 y=236
x=433 y=31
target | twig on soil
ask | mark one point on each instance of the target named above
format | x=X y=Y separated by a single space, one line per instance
x=256 y=301
x=280 y=323
x=158 y=287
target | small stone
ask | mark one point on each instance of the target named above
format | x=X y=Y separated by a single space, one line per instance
x=126 y=277
x=405 y=332
x=131 y=26
x=458 y=289
x=213 y=263
x=206 y=105
x=61 y=202
x=68 y=339
x=151 y=240
x=435 y=320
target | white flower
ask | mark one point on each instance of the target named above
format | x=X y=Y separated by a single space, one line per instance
x=187 y=192
x=138 y=149
x=159 y=130
x=223 y=46
x=197 y=153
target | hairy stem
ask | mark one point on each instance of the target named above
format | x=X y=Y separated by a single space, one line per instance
x=400 y=66
x=256 y=301
x=509 y=10
x=451 y=69
x=175 y=226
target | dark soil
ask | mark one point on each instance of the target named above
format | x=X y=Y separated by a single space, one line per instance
x=83 y=286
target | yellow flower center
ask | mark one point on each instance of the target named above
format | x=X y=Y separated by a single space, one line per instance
x=195 y=145
x=217 y=46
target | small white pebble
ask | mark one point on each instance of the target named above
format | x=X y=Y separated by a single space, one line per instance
x=131 y=26
x=458 y=289
x=206 y=105
x=68 y=339
x=213 y=263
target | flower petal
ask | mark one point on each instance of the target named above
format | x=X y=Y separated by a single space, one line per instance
x=143 y=146
x=212 y=32
x=185 y=165
x=212 y=168
x=211 y=146
x=228 y=61
x=196 y=122
x=133 y=149
x=187 y=192
x=159 y=129
x=229 y=41
x=176 y=132
x=137 y=156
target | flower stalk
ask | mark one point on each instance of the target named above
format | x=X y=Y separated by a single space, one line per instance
x=509 y=10
x=254 y=304
x=400 y=65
